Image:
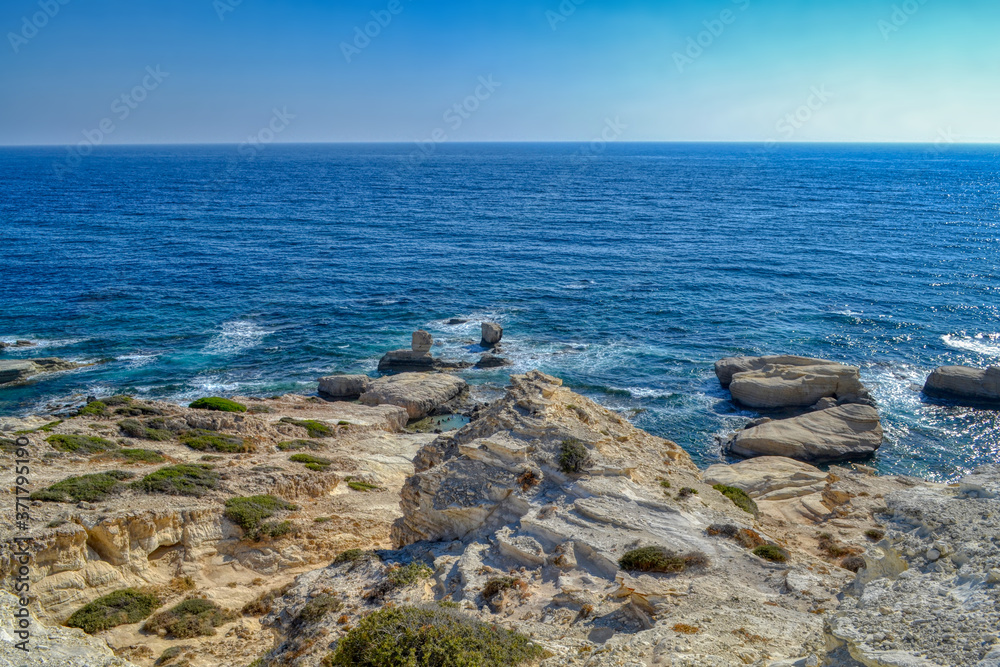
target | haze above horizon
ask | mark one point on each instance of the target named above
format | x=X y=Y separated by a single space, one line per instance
x=399 y=71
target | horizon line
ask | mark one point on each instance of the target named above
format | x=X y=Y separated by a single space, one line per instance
x=524 y=142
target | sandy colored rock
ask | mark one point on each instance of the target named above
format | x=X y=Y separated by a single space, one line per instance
x=725 y=369
x=963 y=384
x=21 y=370
x=344 y=386
x=838 y=434
x=769 y=477
x=418 y=394
x=780 y=386
x=492 y=333
x=422 y=342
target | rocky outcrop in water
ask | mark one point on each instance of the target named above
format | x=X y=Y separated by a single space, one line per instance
x=837 y=434
x=971 y=386
x=418 y=394
x=418 y=358
x=765 y=383
x=492 y=333
x=20 y=370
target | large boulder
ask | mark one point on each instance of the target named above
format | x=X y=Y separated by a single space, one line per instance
x=344 y=386
x=418 y=358
x=725 y=369
x=839 y=434
x=419 y=395
x=974 y=386
x=769 y=477
x=777 y=386
x=492 y=333
x=20 y=370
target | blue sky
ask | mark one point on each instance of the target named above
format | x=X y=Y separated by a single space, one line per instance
x=727 y=70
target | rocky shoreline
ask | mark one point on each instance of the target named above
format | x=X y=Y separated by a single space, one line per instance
x=527 y=517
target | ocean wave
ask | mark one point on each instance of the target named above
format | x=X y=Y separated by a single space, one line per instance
x=131 y=361
x=236 y=337
x=985 y=344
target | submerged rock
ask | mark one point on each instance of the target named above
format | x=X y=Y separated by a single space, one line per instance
x=971 y=386
x=492 y=361
x=419 y=395
x=838 y=434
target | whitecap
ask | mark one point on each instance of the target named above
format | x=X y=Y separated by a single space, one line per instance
x=137 y=360
x=985 y=344
x=236 y=337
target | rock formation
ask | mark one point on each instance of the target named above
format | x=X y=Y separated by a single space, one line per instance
x=492 y=333
x=344 y=387
x=837 y=434
x=769 y=477
x=971 y=386
x=418 y=394
x=418 y=358
x=21 y=370
x=761 y=383
x=492 y=361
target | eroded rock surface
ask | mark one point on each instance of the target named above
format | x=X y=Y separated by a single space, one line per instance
x=418 y=394
x=777 y=386
x=975 y=386
x=21 y=370
x=837 y=434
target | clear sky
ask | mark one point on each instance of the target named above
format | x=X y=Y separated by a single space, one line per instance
x=519 y=70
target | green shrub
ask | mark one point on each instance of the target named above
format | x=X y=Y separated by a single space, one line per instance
x=8 y=446
x=137 y=410
x=133 y=428
x=353 y=556
x=771 y=552
x=80 y=444
x=658 y=559
x=180 y=480
x=312 y=462
x=430 y=637
x=191 y=618
x=117 y=400
x=264 y=603
x=169 y=654
x=498 y=585
x=118 y=608
x=210 y=441
x=250 y=514
x=140 y=456
x=294 y=445
x=89 y=488
x=874 y=534
x=315 y=429
x=51 y=425
x=401 y=577
x=218 y=404
x=573 y=456
x=686 y=493
x=93 y=409
x=318 y=607
x=739 y=498
x=358 y=485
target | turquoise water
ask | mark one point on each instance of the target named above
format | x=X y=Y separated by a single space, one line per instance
x=190 y=270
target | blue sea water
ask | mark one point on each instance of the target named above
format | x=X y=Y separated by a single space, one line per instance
x=626 y=270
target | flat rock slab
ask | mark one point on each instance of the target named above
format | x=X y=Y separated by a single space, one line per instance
x=778 y=386
x=418 y=394
x=725 y=369
x=20 y=370
x=973 y=386
x=838 y=434
x=344 y=386
x=770 y=477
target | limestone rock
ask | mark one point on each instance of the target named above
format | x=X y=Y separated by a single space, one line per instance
x=419 y=395
x=20 y=370
x=492 y=333
x=974 y=386
x=492 y=361
x=783 y=386
x=725 y=369
x=838 y=434
x=50 y=644
x=770 y=477
x=344 y=386
x=422 y=342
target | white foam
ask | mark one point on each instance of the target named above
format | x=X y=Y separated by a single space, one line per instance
x=137 y=360
x=985 y=344
x=236 y=337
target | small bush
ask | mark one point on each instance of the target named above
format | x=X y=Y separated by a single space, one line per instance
x=834 y=549
x=665 y=483
x=80 y=444
x=180 y=480
x=218 y=405
x=210 y=441
x=686 y=493
x=498 y=585
x=874 y=534
x=358 y=485
x=739 y=498
x=251 y=513
x=134 y=428
x=747 y=538
x=295 y=445
x=191 y=618
x=312 y=462
x=88 y=488
x=318 y=607
x=93 y=409
x=264 y=603
x=528 y=479
x=401 y=577
x=140 y=456
x=50 y=426
x=315 y=429
x=573 y=456
x=170 y=654
x=430 y=637
x=771 y=552
x=117 y=400
x=118 y=608
x=137 y=410
x=853 y=563
x=685 y=629
x=354 y=556
x=658 y=559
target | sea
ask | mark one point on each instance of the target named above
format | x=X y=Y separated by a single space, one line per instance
x=625 y=269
